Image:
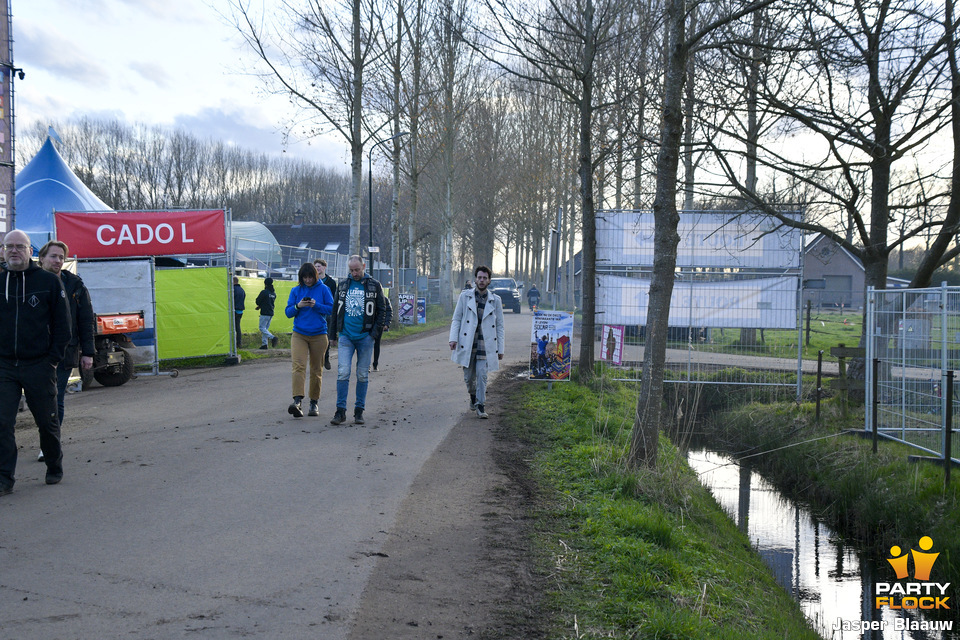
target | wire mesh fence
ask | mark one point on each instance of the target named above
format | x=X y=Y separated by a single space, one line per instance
x=278 y=261
x=735 y=314
x=914 y=340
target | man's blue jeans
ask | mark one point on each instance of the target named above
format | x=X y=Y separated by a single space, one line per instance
x=345 y=350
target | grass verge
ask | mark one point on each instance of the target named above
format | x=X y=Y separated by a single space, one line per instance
x=635 y=555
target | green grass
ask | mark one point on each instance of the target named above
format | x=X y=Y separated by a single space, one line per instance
x=878 y=499
x=636 y=555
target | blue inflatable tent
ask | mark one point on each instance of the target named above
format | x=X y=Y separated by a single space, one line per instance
x=47 y=184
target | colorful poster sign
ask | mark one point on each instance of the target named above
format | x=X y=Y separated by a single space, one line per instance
x=421 y=311
x=551 y=345
x=122 y=234
x=407 y=312
x=611 y=343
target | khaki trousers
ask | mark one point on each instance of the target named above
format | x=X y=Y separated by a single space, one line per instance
x=303 y=349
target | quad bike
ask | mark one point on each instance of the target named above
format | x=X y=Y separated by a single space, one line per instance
x=112 y=362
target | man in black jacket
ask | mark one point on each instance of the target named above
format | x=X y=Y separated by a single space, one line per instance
x=34 y=333
x=81 y=348
x=239 y=296
x=359 y=313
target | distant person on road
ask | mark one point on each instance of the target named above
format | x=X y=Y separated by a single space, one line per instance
x=321 y=266
x=359 y=316
x=266 y=301
x=239 y=296
x=473 y=350
x=81 y=348
x=309 y=304
x=533 y=297
x=34 y=333
x=386 y=327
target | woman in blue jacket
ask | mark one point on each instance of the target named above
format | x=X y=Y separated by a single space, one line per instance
x=309 y=304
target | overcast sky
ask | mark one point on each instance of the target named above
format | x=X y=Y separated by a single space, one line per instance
x=168 y=62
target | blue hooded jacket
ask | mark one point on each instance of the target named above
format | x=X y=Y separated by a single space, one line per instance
x=310 y=321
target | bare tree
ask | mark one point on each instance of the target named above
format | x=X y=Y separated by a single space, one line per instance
x=868 y=82
x=679 y=46
x=318 y=55
x=567 y=45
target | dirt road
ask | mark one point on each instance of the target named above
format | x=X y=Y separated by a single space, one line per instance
x=197 y=507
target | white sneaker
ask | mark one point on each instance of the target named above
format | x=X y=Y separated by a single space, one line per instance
x=480 y=412
x=40 y=457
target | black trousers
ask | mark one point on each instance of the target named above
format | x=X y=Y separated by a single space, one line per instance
x=37 y=380
x=376 y=351
x=236 y=321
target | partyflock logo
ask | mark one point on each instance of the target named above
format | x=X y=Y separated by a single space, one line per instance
x=918 y=593
x=911 y=593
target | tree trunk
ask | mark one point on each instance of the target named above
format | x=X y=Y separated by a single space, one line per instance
x=585 y=371
x=646 y=426
x=356 y=134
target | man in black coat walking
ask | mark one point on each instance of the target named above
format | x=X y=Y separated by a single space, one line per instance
x=34 y=333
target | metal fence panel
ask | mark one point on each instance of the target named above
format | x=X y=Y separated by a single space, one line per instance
x=914 y=335
x=735 y=312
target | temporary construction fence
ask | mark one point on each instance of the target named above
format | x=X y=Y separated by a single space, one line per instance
x=913 y=346
x=256 y=257
x=735 y=314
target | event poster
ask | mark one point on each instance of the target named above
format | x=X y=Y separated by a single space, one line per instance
x=611 y=343
x=551 y=345
x=421 y=310
x=407 y=311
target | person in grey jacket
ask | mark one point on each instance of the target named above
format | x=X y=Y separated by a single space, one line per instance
x=474 y=350
x=34 y=333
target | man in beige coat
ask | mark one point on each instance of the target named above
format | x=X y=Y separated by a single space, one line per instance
x=474 y=350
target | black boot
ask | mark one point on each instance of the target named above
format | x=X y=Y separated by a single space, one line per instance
x=294 y=409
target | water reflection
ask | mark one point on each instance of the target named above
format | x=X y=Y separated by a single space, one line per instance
x=832 y=581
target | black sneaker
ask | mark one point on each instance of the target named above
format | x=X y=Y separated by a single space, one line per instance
x=339 y=417
x=314 y=409
x=480 y=412
x=5 y=490
x=358 y=416
x=473 y=402
x=376 y=367
x=274 y=341
x=53 y=477
x=263 y=346
x=295 y=410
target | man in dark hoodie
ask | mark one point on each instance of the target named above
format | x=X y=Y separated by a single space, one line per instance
x=81 y=348
x=34 y=333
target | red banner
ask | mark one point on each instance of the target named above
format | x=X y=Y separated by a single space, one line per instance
x=136 y=234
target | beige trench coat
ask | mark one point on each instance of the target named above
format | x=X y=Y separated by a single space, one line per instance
x=463 y=328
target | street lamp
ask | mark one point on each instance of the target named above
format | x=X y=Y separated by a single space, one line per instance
x=370 y=184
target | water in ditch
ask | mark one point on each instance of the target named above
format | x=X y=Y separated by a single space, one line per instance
x=835 y=584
